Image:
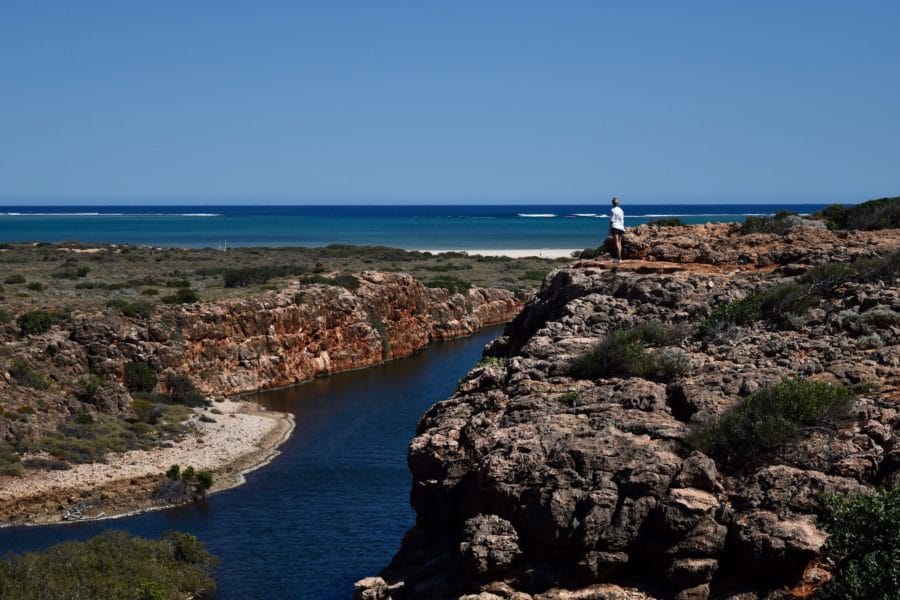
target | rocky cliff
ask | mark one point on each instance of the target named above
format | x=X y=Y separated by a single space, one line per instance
x=288 y=336
x=231 y=347
x=535 y=481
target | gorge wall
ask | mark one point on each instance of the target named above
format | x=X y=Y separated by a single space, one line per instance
x=532 y=483
x=289 y=336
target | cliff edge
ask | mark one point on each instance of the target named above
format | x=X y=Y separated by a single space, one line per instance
x=581 y=458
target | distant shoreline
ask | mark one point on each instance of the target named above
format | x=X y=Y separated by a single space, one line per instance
x=513 y=252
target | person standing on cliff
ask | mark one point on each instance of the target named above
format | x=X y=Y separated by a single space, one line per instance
x=617 y=229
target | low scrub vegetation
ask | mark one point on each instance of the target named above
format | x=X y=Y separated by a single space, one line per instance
x=452 y=284
x=183 y=391
x=113 y=565
x=667 y=222
x=184 y=484
x=769 y=418
x=344 y=280
x=827 y=276
x=36 y=321
x=779 y=224
x=136 y=309
x=624 y=353
x=22 y=372
x=90 y=440
x=777 y=303
x=883 y=213
x=182 y=296
x=863 y=545
x=10 y=461
x=140 y=377
x=246 y=276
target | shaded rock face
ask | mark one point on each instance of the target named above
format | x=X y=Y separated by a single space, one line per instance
x=527 y=481
x=289 y=336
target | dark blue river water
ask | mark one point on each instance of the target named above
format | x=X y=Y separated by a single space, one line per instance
x=333 y=506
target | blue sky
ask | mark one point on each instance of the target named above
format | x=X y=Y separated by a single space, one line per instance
x=448 y=101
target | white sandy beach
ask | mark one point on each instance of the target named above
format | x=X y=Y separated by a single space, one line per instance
x=514 y=252
x=242 y=438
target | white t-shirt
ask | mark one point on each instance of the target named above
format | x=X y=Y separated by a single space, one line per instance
x=617 y=218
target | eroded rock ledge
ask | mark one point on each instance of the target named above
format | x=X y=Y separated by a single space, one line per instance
x=528 y=483
x=288 y=336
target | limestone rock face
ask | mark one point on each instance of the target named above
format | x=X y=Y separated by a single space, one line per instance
x=529 y=483
x=289 y=336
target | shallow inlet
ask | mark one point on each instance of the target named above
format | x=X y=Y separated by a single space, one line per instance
x=333 y=506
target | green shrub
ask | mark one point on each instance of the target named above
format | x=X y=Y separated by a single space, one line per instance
x=182 y=296
x=71 y=272
x=623 y=353
x=870 y=321
x=112 y=565
x=174 y=473
x=146 y=411
x=777 y=303
x=204 y=481
x=493 y=361
x=10 y=462
x=886 y=268
x=667 y=222
x=883 y=213
x=36 y=321
x=344 y=280
x=137 y=309
x=150 y=292
x=299 y=297
x=88 y=387
x=770 y=417
x=778 y=224
x=46 y=464
x=36 y=286
x=864 y=545
x=178 y=283
x=14 y=279
x=140 y=377
x=247 y=276
x=5 y=316
x=454 y=285
x=90 y=441
x=445 y=268
x=22 y=372
x=534 y=275
x=183 y=391
x=827 y=275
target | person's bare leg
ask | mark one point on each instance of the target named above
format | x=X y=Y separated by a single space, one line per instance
x=618 y=240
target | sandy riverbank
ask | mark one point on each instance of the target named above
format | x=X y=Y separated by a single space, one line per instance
x=244 y=437
x=515 y=252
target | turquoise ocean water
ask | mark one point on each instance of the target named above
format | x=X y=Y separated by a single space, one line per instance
x=450 y=227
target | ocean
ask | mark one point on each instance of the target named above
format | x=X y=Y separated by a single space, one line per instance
x=412 y=227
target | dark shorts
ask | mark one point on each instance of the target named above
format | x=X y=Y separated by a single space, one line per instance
x=616 y=232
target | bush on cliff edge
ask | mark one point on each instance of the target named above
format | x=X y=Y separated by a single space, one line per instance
x=624 y=353
x=864 y=545
x=769 y=418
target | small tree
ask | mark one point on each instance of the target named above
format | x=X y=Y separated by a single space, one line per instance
x=140 y=377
